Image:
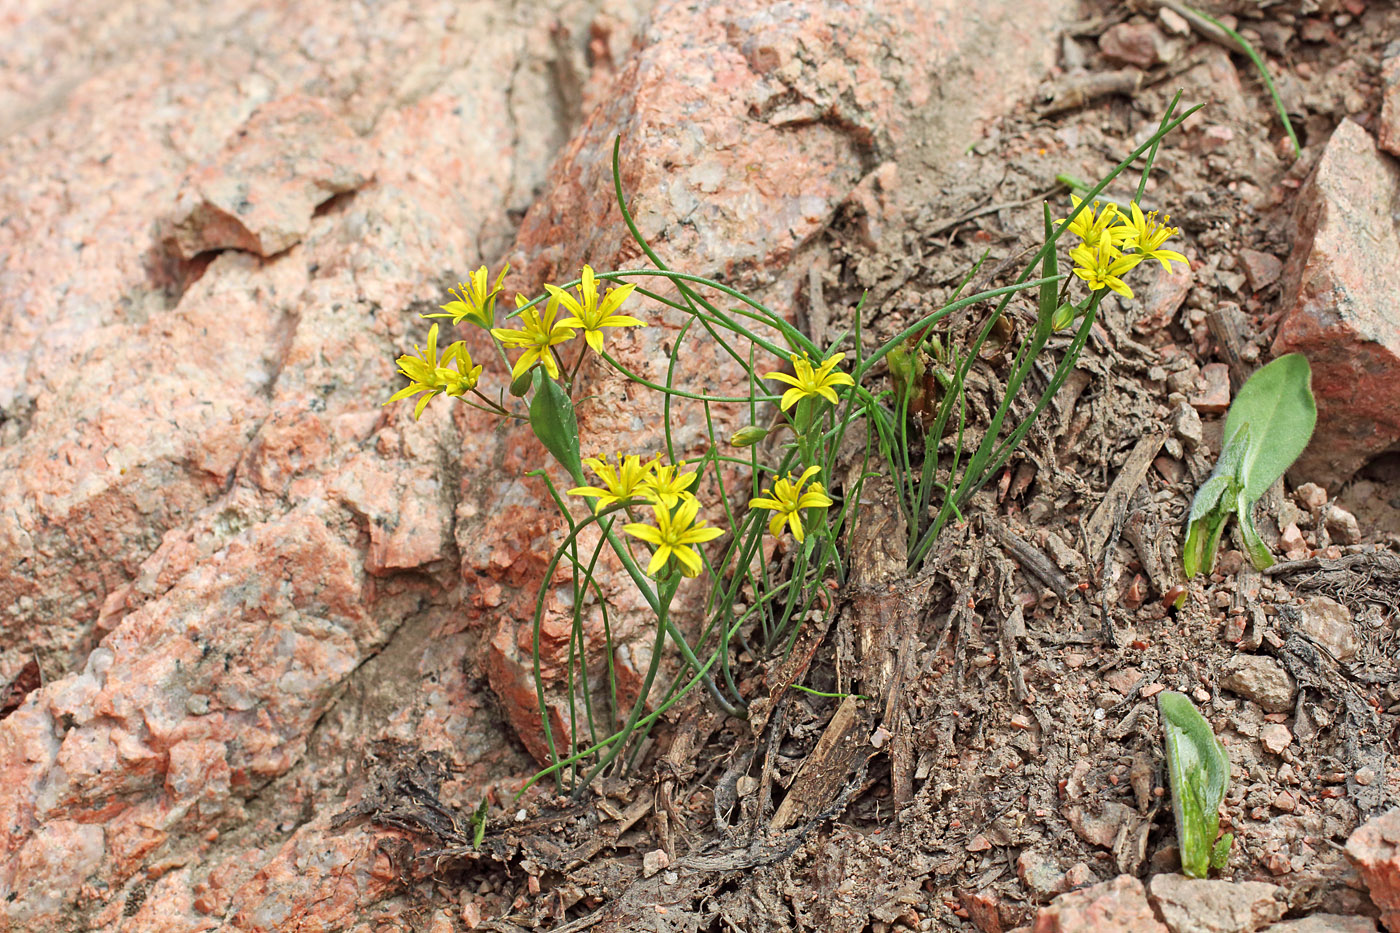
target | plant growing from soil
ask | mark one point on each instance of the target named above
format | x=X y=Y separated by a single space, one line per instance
x=1199 y=771
x=642 y=511
x=1268 y=426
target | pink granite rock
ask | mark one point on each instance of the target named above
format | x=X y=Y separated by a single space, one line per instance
x=1117 y=906
x=1375 y=850
x=1338 y=289
x=239 y=570
x=259 y=192
x=1212 y=905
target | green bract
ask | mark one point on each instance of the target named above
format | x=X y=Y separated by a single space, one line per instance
x=1199 y=771
x=1268 y=426
x=554 y=423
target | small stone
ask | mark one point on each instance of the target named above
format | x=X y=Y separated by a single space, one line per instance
x=1213 y=390
x=1328 y=623
x=1215 y=137
x=1275 y=738
x=1186 y=423
x=1100 y=829
x=1230 y=562
x=1294 y=545
x=1199 y=905
x=1341 y=525
x=1173 y=22
x=1262 y=680
x=1375 y=851
x=983 y=909
x=1078 y=875
x=1365 y=777
x=1310 y=496
x=1260 y=269
x=1140 y=44
x=655 y=861
x=1041 y=876
x=1285 y=801
x=1170 y=469
x=1119 y=906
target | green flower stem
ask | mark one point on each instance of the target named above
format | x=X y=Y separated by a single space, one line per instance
x=668 y=591
x=640 y=579
x=645 y=721
x=1005 y=292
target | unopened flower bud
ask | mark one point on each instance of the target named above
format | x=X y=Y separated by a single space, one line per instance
x=748 y=436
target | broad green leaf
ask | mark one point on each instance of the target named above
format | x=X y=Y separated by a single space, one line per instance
x=1277 y=406
x=1199 y=771
x=553 y=420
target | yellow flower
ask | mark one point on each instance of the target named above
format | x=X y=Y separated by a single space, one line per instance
x=1091 y=226
x=1146 y=235
x=535 y=337
x=475 y=302
x=433 y=374
x=812 y=383
x=1103 y=266
x=674 y=536
x=627 y=479
x=788 y=501
x=667 y=485
x=590 y=315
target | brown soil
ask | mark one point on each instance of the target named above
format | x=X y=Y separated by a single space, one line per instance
x=1028 y=654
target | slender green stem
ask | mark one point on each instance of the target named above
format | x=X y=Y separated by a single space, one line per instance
x=668 y=590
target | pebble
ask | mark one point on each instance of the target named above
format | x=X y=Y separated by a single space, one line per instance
x=1328 y=623
x=1310 y=496
x=1213 y=390
x=1285 y=801
x=1260 y=269
x=1275 y=738
x=1341 y=525
x=1260 y=679
x=1292 y=542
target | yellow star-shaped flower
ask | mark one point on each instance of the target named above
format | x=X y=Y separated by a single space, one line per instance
x=629 y=478
x=788 y=500
x=810 y=383
x=667 y=485
x=1093 y=225
x=475 y=302
x=674 y=536
x=536 y=336
x=591 y=316
x=1103 y=266
x=1146 y=235
x=451 y=374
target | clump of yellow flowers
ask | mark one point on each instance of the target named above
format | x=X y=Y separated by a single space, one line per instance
x=538 y=335
x=1114 y=243
x=626 y=480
